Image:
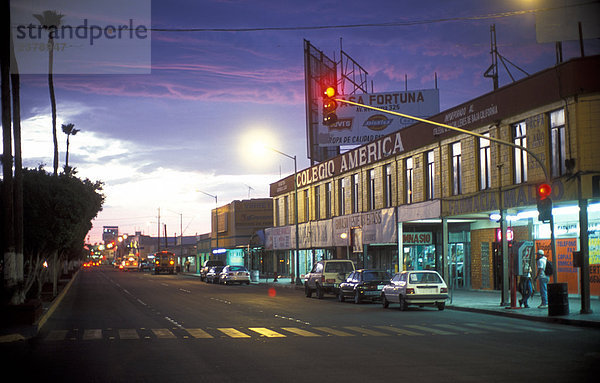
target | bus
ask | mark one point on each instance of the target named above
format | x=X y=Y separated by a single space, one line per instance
x=130 y=262
x=164 y=261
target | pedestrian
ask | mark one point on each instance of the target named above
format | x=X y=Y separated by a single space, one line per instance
x=541 y=275
x=525 y=288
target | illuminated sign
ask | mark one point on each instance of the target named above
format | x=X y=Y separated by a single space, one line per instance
x=509 y=235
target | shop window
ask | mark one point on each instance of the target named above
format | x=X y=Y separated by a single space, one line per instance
x=355 y=194
x=387 y=185
x=485 y=164
x=430 y=176
x=557 y=143
x=408 y=179
x=456 y=168
x=519 y=132
x=328 y=200
x=342 y=196
x=317 y=202
x=371 y=189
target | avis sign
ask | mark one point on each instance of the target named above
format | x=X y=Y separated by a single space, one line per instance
x=357 y=125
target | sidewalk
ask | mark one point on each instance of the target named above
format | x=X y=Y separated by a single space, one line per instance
x=488 y=302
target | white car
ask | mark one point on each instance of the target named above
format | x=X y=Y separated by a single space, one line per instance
x=234 y=274
x=418 y=287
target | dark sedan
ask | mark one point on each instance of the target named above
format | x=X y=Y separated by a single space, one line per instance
x=363 y=285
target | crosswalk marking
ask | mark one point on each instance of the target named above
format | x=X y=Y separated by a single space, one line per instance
x=57 y=335
x=299 y=331
x=527 y=328
x=429 y=329
x=198 y=333
x=163 y=333
x=491 y=328
x=332 y=331
x=365 y=331
x=266 y=332
x=92 y=334
x=460 y=329
x=129 y=333
x=400 y=331
x=233 y=333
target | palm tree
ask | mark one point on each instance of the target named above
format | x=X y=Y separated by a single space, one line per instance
x=50 y=20
x=68 y=129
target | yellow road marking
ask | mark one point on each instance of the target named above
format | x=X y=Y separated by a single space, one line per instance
x=233 y=333
x=429 y=329
x=198 y=333
x=266 y=332
x=400 y=331
x=163 y=333
x=128 y=334
x=299 y=331
x=365 y=331
x=332 y=331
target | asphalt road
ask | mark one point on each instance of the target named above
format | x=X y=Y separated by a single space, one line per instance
x=137 y=327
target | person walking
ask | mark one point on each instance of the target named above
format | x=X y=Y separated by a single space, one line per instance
x=525 y=288
x=541 y=275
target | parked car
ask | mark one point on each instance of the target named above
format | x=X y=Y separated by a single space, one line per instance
x=418 y=287
x=207 y=265
x=213 y=274
x=145 y=265
x=326 y=276
x=362 y=285
x=234 y=274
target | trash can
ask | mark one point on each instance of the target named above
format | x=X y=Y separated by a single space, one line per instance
x=254 y=276
x=558 y=299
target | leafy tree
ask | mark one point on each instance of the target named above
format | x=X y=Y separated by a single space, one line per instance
x=58 y=213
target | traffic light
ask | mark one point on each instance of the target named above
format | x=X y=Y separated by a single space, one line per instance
x=329 y=105
x=544 y=202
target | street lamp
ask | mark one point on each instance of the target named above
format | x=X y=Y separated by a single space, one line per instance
x=216 y=215
x=298 y=281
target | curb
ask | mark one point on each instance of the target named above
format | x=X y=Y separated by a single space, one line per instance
x=548 y=319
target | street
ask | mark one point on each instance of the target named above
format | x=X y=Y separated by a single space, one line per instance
x=133 y=326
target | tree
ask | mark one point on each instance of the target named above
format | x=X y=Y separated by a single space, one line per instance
x=68 y=129
x=50 y=20
x=59 y=211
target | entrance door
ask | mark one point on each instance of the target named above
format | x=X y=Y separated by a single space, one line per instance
x=459 y=265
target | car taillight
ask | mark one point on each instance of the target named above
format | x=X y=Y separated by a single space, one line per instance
x=322 y=279
x=157 y=262
x=443 y=290
x=410 y=291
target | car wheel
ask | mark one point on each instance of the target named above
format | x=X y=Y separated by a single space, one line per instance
x=441 y=306
x=357 y=300
x=320 y=292
x=341 y=297
x=307 y=291
x=403 y=304
x=384 y=301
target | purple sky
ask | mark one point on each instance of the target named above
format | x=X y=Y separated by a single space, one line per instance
x=157 y=139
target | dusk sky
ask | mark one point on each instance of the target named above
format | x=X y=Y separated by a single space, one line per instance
x=156 y=140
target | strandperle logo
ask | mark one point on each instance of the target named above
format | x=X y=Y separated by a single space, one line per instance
x=81 y=37
x=84 y=31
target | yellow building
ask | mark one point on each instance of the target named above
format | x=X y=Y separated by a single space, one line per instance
x=430 y=197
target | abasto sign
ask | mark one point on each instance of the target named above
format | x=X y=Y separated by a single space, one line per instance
x=81 y=37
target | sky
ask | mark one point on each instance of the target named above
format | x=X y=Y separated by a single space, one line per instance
x=165 y=139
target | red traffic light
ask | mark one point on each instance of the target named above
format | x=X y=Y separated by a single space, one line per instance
x=329 y=92
x=544 y=191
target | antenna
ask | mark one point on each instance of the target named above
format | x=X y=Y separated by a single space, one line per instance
x=492 y=71
x=249 y=188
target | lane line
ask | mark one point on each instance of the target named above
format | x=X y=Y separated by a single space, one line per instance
x=431 y=330
x=198 y=333
x=365 y=331
x=400 y=331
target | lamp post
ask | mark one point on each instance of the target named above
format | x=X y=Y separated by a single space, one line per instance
x=216 y=215
x=298 y=281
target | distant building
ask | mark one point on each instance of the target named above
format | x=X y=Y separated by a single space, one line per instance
x=110 y=233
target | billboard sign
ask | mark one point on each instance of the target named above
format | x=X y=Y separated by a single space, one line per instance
x=358 y=126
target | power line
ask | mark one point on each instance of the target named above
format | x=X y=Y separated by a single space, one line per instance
x=371 y=25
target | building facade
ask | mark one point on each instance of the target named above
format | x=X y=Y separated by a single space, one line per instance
x=428 y=197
